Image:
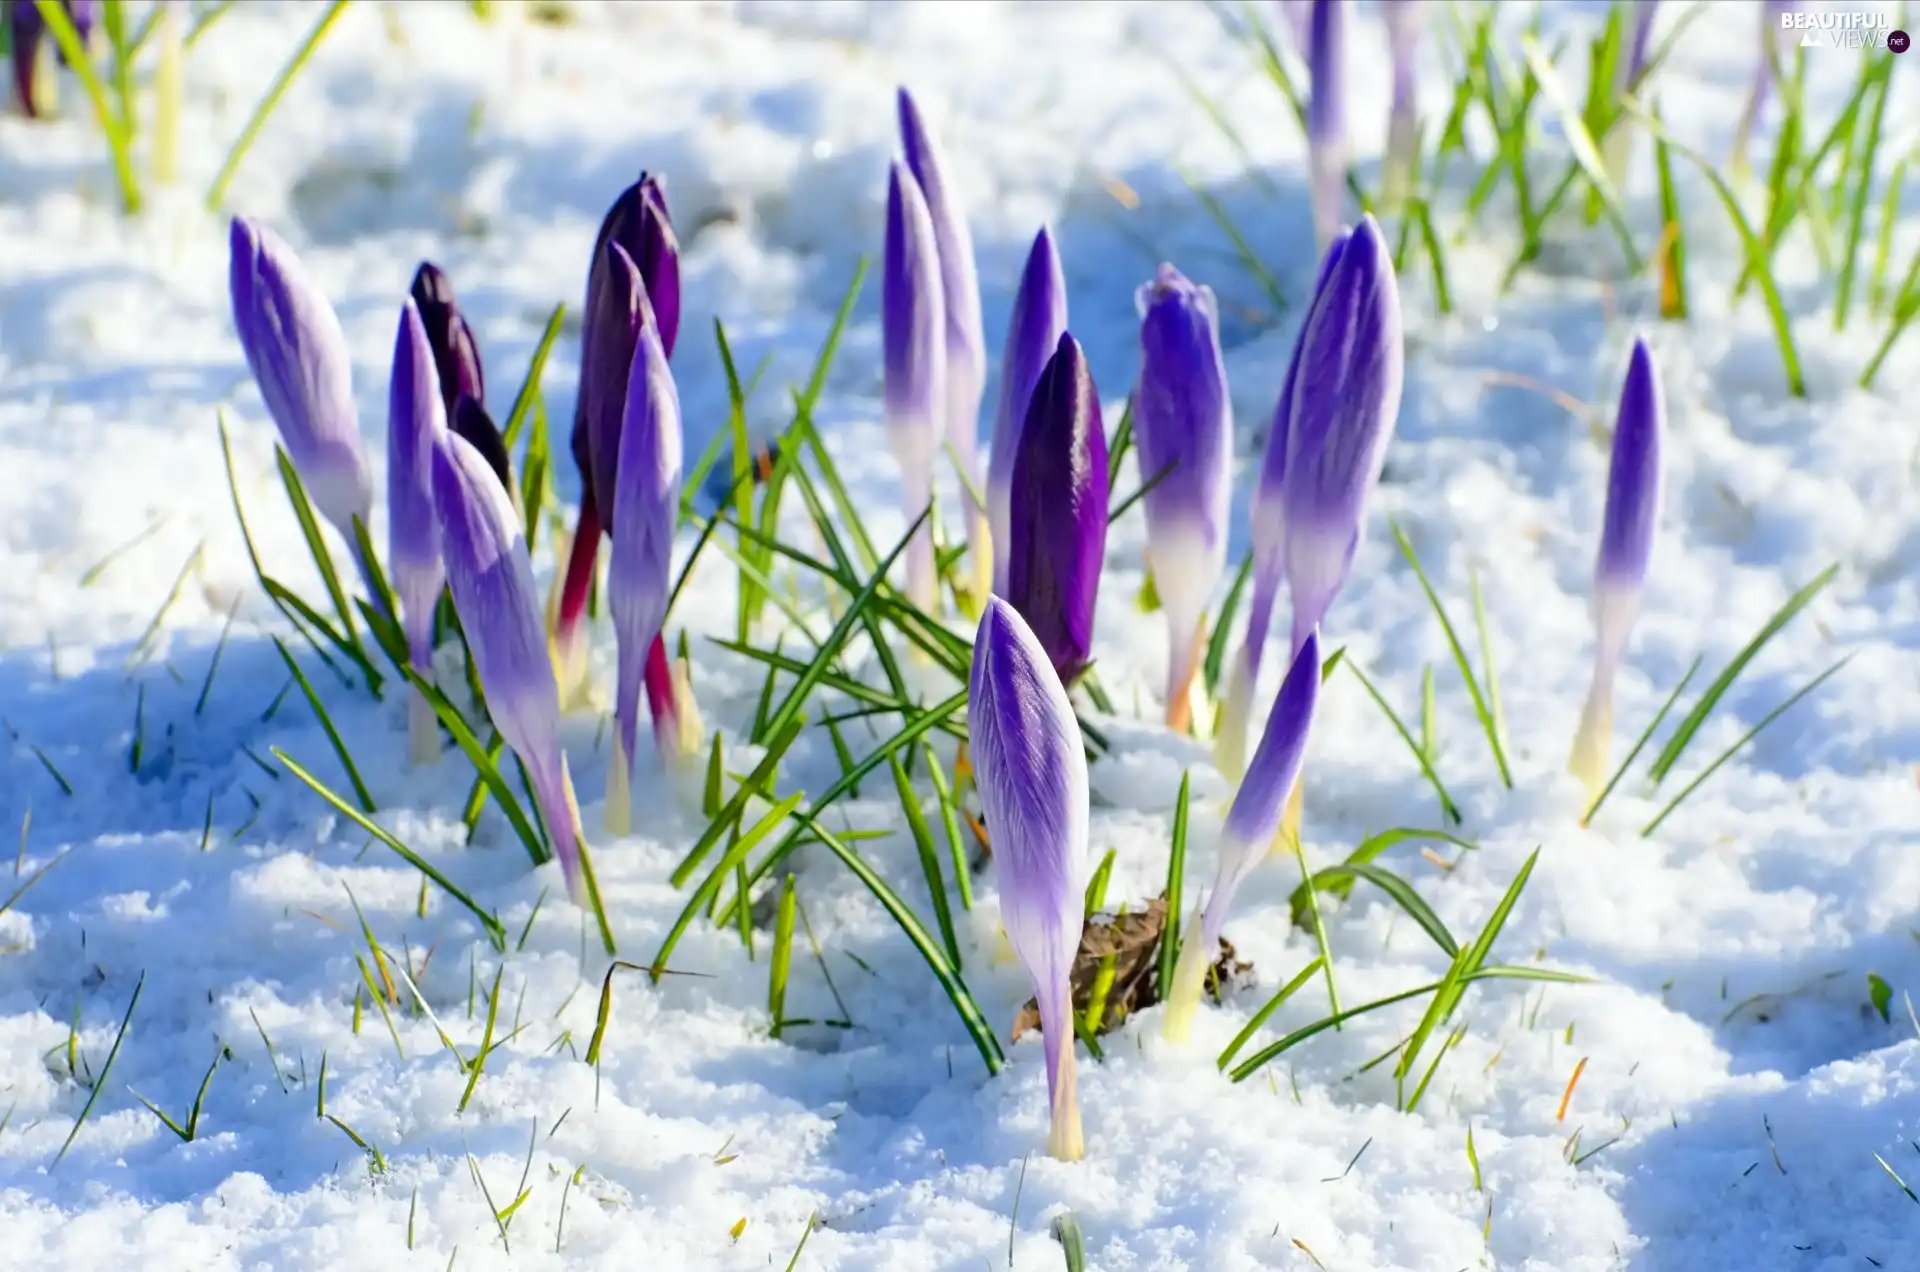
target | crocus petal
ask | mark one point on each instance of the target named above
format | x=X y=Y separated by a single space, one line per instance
x=1626 y=548
x=1039 y=320
x=471 y=421
x=638 y=223
x=299 y=358
x=1643 y=15
x=1346 y=401
x=645 y=510
x=1268 y=546
x=415 y=423
x=1030 y=767
x=1252 y=820
x=1326 y=115
x=1183 y=424
x=455 y=352
x=493 y=592
x=913 y=324
x=966 y=365
x=1059 y=511
x=27 y=28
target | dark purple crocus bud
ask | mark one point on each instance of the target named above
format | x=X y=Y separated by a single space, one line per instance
x=913 y=326
x=1058 y=513
x=1626 y=548
x=638 y=225
x=455 y=353
x=1039 y=320
x=26 y=28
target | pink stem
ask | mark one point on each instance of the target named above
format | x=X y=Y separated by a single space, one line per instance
x=659 y=682
x=579 y=578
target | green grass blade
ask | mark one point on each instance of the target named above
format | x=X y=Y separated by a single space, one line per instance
x=1641 y=742
x=1690 y=724
x=323 y=561
x=1259 y=1059
x=495 y=932
x=1176 y=883
x=759 y=782
x=1272 y=1005
x=1488 y=723
x=326 y=723
x=929 y=858
x=950 y=823
x=1447 y=807
x=1216 y=656
x=1581 y=142
x=1317 y=925
x=1395 y=887
x=1857 y=212
x=100 y=1083
x=217 y=193
x=119 y=141
x=530 y=383
x=1673 y=257
x=1744 y=738
x=483 y=761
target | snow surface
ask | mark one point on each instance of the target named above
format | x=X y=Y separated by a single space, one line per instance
x=1730 y=1051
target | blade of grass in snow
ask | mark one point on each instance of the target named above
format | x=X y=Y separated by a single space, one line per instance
x=950 y=822
x=1690 y=724
x=781 y=962
x=1447 y=807
x=1640 y=742
x=326 y=723
x=323 y=561
x=1581 y=142
x=1272 y=1005
x=530 y=383
x=1489 y=722
x=1174 y=891
x=1397 y=889
x=757 y=783
x=1338 y=885
x=217 y=193
x=1216 y=656
x=1673 y=253
x=929 y=858
x=484 y=765
x=115 y=130
x=1755 y=250
x=1744 y=738
x=1876 y=78
x=189 y=1132
x=495 y=932
x=100 y=1081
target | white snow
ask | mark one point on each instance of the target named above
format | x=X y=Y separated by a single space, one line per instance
x=1731 y=1054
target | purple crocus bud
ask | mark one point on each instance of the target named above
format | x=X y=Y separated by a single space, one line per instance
x=1039 y=320
x=1346 y=401
x=1031 y=770
x=299 y=358
x=1770 y=47
x=646 y=507
x=1618 y=143
x=493 y=592
x=1059 y=511
x=1252 y=821
x=638 y=224
x=26 y=27
x=966 y=370
x=1327 y=115
x=1183 y=424
x=1299 y=18
x=1405 y=21
x=415 y=424
x=455 y=352
x=1269 y=551
x=1637 y=48
x=471 y=421
x=1626 y=546
x=913 y=321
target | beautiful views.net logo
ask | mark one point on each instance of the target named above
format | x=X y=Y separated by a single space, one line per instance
x=1846 y=30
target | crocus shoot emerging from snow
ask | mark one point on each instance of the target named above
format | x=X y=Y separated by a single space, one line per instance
x=1059 y=512
x=416 y=423
x=1268 y=550
x=1626 y=546
x=1183 y=423
x=1252 y=820
x=913 y=321
x=299 y=358
x=966 y=361
x=1039 y=320
x=1031 y=770
x=646 y=506
x=493 y=592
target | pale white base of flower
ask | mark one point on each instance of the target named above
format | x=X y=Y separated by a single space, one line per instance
x=1593 y=741
x=1230 y=737
x=1065 y=1139
x=1182 y=998
x=617 y=813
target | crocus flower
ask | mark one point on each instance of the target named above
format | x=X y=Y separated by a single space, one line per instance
x=966 y=362
x=1405 y=20
x=1031 y=770
x=1626 y=545
x=299 y=358
x=1059 y=511
x=1327 y=115
x=646 y=506
x=1039 y=320
x=1251 y=822
x=639 y=225
x=471 y=421
x=493 y=592
x=913 y=321
x=1269 y=551
x=415 y=424
x=1299 y=16
x=456 y=354
x=1619 y=139
x=1183 y=423
x=1346 y=400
